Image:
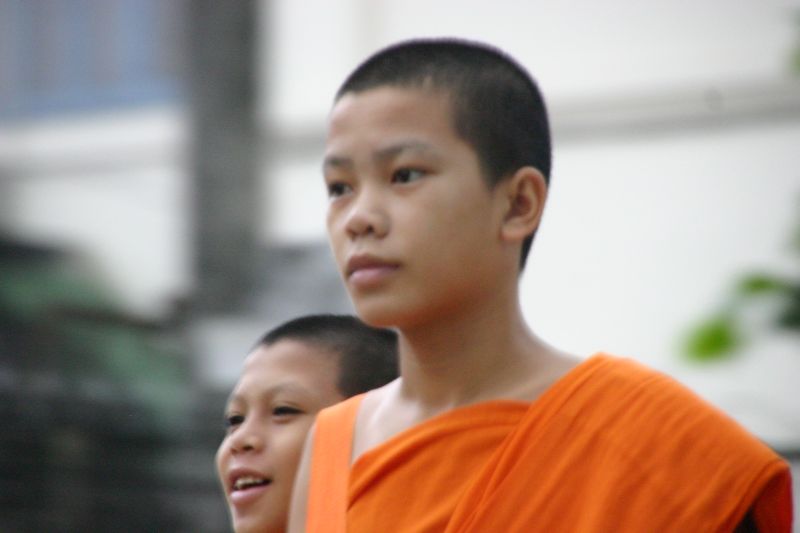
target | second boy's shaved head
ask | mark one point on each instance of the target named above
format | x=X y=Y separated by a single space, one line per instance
x=367 y=357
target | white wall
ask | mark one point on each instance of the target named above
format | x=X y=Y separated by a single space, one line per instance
x=644 y=238
x=110 y=187
x=574 y=48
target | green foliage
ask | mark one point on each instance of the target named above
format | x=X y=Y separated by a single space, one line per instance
x=760 y=284
x=719 y=337
x=61 y=318
x=789 y=317
x=713 y=339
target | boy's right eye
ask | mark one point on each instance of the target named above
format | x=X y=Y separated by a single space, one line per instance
x=231 y=421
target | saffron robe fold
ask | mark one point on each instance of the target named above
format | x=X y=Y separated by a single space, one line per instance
x=611 y=446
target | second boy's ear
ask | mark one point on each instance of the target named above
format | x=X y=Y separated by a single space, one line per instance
x=525 y=193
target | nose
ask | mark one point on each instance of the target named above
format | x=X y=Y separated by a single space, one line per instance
x=246 y=439
x=367 y=216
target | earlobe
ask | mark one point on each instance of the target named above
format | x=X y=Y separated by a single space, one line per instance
x=526 y=192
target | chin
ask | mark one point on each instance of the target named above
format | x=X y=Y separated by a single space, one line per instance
x=385 y=315
x=257 y=527
x=372 y=313
x=258 y=524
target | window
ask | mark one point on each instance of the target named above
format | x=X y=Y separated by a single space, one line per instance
x=59 y=56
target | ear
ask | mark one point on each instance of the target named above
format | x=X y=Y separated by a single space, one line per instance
x=525 y=193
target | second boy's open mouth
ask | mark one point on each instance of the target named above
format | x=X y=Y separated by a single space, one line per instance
x=247 y=489
x=247 y=482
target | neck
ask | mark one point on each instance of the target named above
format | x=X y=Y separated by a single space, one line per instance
x=478 y=354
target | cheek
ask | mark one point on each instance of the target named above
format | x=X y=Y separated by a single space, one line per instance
x=334 y=237
x=333 y=219
x=221 y=459
x=291 y=444
x=329 y=223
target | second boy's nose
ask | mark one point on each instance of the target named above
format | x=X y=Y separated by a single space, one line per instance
x=246 y=439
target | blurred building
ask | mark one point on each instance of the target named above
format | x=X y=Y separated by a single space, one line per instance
x=161 y=206
x=107 y=428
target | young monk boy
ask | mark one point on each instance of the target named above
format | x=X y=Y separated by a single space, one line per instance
x=294 y=370
x=437 y=164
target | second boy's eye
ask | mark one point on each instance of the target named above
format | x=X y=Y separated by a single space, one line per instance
x=406 y=175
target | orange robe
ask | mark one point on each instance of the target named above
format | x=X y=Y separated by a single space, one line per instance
x=612 y=446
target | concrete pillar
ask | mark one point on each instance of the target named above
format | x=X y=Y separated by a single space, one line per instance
x=222 y=89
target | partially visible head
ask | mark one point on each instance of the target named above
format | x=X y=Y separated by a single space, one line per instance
x=293 y=371
x=497 y=108
x=366 y=357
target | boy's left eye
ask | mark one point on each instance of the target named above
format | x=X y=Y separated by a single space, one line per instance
x=406 y=175
x=337 y=189
x=285 y=411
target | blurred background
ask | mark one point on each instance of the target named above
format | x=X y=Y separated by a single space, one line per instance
x=161 y=206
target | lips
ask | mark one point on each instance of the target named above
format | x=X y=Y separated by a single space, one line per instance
x=241 y=479
x=368 y=270
x=246 y=482
x=358 y=263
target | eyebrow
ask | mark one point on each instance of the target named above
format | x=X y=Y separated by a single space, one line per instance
x=381 y=155
x=335 y=161
x=394 y=150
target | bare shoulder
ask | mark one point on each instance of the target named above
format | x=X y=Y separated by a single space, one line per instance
x=545 y=370
x=377 y=419
x=559 y=364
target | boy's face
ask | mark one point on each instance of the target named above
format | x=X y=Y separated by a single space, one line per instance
x=412 y=224
x=268 y=416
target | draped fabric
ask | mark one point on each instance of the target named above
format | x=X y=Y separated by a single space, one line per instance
x=612 y=446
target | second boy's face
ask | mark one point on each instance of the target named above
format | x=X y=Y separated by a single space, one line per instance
x=271 y=409
x=412 y=224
